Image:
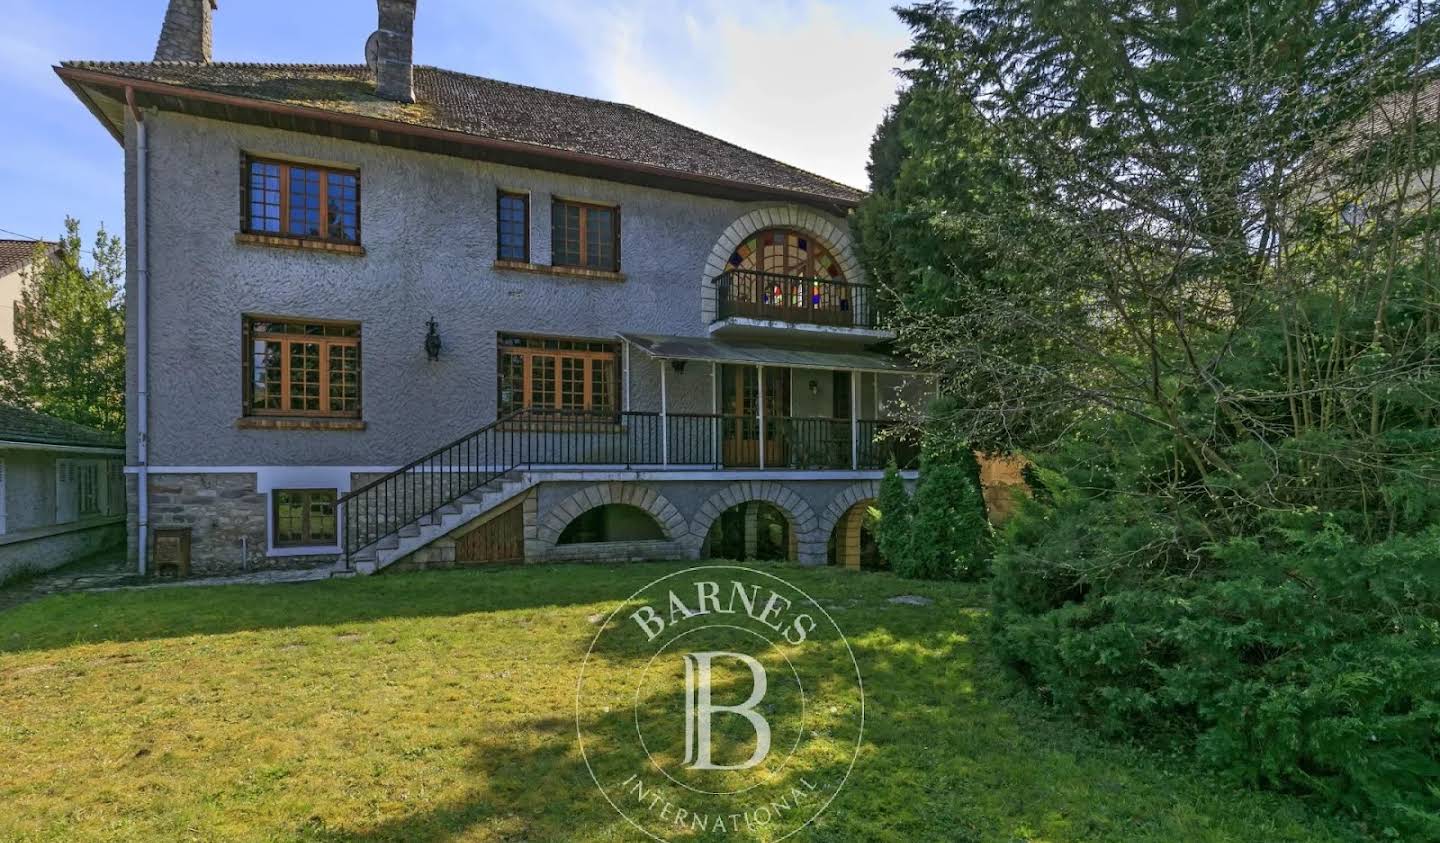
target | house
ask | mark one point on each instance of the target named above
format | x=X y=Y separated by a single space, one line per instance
x=62 y=491
x=387 y=315
x=16 y=259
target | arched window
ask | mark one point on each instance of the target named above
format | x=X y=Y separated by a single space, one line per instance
x=613 y=522
x=786 y=252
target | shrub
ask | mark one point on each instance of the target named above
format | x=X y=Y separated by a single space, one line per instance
x=1302 y=659
x=892 y=529
x=949 y=536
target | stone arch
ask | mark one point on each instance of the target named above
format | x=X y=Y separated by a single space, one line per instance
x=671 y=522
x=809 y=542
x=835 y=237
x=845 y=507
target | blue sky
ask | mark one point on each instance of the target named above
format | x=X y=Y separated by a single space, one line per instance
x=804 y=81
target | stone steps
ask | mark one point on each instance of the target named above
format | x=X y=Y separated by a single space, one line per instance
x=429 y=529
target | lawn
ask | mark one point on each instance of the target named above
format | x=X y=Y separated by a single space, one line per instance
x=440 y=706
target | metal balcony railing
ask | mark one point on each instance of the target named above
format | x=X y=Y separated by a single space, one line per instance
x=654 y=441
x=788 y=298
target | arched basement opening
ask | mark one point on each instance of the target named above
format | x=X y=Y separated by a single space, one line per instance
x=852 y=543
x=612 y=522
x=751 y=530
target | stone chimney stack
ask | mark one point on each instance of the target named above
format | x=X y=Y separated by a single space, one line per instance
x=394 y=63
x=187 y=34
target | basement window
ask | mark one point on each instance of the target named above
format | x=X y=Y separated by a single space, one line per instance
x=304 y=517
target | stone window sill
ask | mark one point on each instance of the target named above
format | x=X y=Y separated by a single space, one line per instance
x=301 y=243
x=562 y=271
x=562 y=426
x=281 y=423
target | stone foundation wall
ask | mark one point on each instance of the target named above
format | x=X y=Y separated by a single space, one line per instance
x=227 y=519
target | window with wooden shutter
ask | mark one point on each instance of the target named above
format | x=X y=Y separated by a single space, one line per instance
x=548 y=376
x=67 y=497
x=302 y=200
x=586 y=236
x=296 y=368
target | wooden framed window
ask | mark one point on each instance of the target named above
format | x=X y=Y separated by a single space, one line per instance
x=586 y=236
x=546 y=376
x=512 y=222
x=301 y=200
x=295 y=368
x=304 y=517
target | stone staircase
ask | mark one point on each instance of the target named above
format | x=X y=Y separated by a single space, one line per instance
x=410 y=539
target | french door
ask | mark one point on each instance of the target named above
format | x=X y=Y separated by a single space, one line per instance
x=740 y=407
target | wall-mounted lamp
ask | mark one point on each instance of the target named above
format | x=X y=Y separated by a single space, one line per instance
x=814 y=388
x=432 y=340
x=678 y=366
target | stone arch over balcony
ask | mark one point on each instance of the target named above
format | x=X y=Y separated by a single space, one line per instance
x=809 y=542
x=666 y=515
x=834 y=236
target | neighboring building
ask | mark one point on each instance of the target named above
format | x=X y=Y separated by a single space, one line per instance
x=477 y=321
x=16 y=259
x=62 y=491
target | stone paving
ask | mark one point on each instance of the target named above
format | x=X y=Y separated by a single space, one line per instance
x=112 y=573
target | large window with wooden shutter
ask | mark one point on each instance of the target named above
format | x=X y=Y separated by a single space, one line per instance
x=301 y=368
x=548 y=376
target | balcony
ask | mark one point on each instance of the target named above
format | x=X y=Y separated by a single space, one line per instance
x=691 y=441
x=755 y=303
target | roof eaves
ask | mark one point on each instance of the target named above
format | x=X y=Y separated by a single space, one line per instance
x=75 y=74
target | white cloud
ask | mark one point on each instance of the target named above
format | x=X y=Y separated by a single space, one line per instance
x=805 y=83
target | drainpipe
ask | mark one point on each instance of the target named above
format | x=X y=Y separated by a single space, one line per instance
x=855 y=420
x=142 y=322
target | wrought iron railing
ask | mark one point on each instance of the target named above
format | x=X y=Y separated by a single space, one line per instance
x=443 y=477
x=790 y=298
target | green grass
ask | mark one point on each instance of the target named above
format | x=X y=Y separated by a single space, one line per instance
x=440 y=706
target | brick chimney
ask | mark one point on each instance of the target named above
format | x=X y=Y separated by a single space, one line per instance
x=395 y=43
x=186 y=34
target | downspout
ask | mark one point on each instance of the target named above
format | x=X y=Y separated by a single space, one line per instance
x=142 y=325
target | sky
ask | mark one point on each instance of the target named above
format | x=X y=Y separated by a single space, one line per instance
x=804 y=81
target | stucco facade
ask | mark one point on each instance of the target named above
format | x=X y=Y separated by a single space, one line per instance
x=429 y=250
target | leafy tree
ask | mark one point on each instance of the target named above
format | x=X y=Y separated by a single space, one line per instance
x=893 y=528
x=69 y=355
x=1184 y=255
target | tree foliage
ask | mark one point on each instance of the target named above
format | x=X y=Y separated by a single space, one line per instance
x=893 y=527
x=69 y=355
x=1184 y=255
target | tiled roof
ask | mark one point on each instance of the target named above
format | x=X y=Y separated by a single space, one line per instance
x=15 y=254
x=20 y=425
x=494 y=110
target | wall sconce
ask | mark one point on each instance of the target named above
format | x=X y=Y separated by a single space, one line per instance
x=678 y=366
x=432 y=340
x=814 y=388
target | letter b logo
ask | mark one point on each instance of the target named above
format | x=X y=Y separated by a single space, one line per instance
x=699 y=709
